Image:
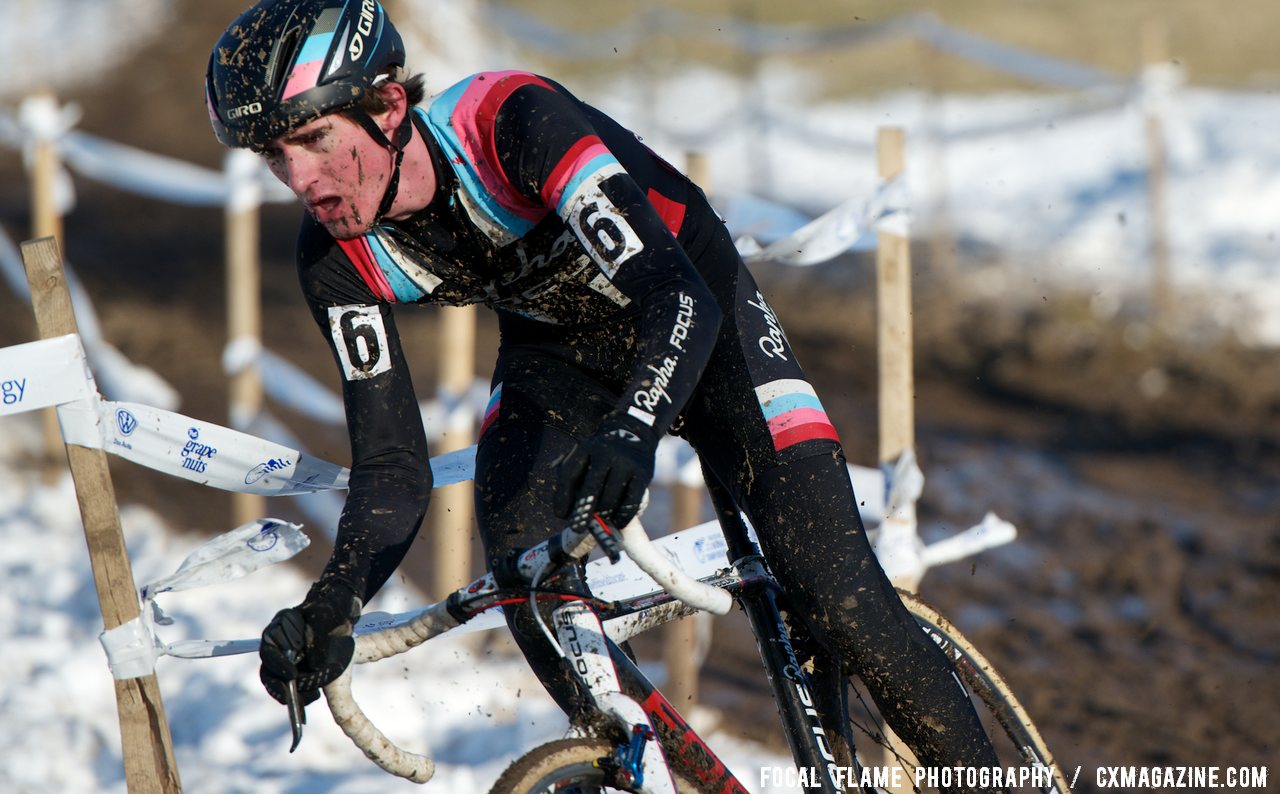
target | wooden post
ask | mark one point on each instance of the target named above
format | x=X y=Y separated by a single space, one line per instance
x=244 y=312
x=46 y=221
x=894 y=345
x=1155 y=51
x=454 y=511
x=149 y=764
x=893 y=310
x=680 y=651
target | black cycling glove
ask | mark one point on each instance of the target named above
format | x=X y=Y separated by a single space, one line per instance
x=612 y=469
x=311 y=643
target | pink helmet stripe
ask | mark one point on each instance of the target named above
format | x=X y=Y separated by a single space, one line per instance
x=304 y=76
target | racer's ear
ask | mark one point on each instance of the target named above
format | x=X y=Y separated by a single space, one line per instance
x=397 y=104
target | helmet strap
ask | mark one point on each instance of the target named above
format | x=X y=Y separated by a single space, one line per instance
x=403 y=134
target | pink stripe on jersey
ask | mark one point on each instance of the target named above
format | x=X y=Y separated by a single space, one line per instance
x=472 y=121
x=799 y=416
x=361 y=255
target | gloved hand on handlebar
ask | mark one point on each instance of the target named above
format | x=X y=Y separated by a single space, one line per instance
x=311 y=643
x=612 y=468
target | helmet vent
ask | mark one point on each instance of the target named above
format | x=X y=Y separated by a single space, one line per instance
x=283 y=54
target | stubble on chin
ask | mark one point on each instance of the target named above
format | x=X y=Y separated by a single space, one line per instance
x=346 y=228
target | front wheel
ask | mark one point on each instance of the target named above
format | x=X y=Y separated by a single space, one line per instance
x=981 y=679
x=1014 y=736
x=565 y=766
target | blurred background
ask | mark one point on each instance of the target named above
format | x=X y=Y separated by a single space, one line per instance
x=1092 y=189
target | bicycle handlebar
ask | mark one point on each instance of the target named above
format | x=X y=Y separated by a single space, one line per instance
x=436 y=619
x=670 y=576
x=371 y=741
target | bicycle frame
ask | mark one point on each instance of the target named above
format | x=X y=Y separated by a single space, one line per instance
x=795 y=693
x=619 y=689
x=793 y=688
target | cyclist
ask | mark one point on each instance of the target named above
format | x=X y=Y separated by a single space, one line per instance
x=624 y=310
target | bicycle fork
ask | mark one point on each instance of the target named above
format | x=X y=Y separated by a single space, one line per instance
x=640 y=763
x=794 y=690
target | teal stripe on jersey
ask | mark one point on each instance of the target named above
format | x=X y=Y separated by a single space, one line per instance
x=789 y=402
x=405 y=289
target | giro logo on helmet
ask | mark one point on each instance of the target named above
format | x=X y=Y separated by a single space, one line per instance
x=251 y=109
x=364 y=26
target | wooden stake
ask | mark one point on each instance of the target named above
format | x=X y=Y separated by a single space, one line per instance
x=680 y=646
x=680 y=649
x=894 y=343
x=893 y=310
x=149 y=765
x=244 y=325
x=698 y=168
x=452 y=506
x=46 y=221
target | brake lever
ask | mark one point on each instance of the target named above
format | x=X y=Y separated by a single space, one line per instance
x=297 y=711
x=604 y=534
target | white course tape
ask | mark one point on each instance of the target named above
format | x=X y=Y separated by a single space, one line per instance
x=289 y=385
x=231 y=460
x=848 y=226
x=117 y=377
x=53 y=372
x=824 y=238
x=240 y=353
x=243 y=170
x=229 y=556
x=42 y=374
x=79 y=424
x=131 y=649
x=44 y=122
x=232 y=555
x=211 y=454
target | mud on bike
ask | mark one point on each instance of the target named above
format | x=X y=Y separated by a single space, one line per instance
x=631 y=738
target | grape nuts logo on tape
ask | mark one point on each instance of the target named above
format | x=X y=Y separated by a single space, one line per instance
x=265 y=468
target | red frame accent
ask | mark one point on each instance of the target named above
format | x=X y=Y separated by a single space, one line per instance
x=667 y=721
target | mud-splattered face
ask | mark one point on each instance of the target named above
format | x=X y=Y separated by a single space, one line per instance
x=336 y=170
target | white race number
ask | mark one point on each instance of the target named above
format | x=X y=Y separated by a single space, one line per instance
x=361 y=341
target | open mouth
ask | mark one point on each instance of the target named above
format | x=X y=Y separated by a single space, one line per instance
x=325 y=206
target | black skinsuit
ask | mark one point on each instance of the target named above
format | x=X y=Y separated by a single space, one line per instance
x=619 y=291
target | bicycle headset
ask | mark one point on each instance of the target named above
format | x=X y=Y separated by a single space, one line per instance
x=284 y=63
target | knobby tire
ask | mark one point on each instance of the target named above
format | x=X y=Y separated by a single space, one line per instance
x=982 y=680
